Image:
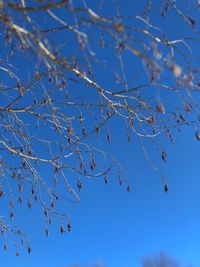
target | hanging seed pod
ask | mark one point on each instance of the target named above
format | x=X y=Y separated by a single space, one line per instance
x=49 y=79
x=5 y=247
x=70 y=131
x=97 y=129
x=46 y=231
x=197 y=134
x=32 y=191
x=166 y=6
x=129 y=138
x=192 y=21
x=29 y=204
x=166 y=189
x=24 y=163
x=45 y=212
x=19 y=176
x=29 y=249
x=128 y=188
x=69 y=227
x=19 y=232
x=62 y=229
x=12 y=203
x=11 y=215
x=108 y=136
x=170 y=136
x=92 y=164
x=81 y=164
x=164 y=156
x=81 y=119
x=79 y=185
x=77 y=151
x=188 y=107
x=120 y=181
x=131 y=122
x=56 y=169
x=20 y=199
x=160 y=107
x=109 y=113
x=20 y=187
x=106 y=180
x=1 y=191
x=182 y=117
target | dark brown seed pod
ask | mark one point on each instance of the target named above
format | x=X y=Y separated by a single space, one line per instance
x=164 y=156
x=29 y=249
x=197 y=134
x=62 y=229
x=69 y=227
x=46 y=231
x=166 y=189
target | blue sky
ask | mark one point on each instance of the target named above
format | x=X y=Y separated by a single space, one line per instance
x=113 y=226
x=120 y=228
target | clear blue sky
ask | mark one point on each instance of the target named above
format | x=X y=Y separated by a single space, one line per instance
x=119 y=228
